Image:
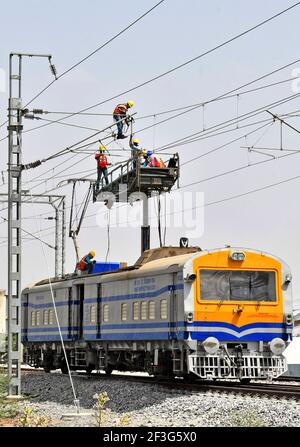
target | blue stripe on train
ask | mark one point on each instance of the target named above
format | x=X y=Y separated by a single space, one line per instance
x=161 y=336
x=235 y=328
x=131 y=296
x=161 y=325
x=257 y=336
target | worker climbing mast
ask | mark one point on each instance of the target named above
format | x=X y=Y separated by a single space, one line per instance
x=141 y=176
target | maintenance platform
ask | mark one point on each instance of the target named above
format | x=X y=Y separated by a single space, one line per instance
x=138 y=178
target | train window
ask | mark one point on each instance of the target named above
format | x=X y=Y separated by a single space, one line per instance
x=144 y=310
x=37 y=317
x=237 y=285
x=51 y=319
x=93 y=314
x=105 y=312
x=136 y=310
x=33 y=319
x=45 y=318
x=151 y=310
x=163 y=309
x=124 y=311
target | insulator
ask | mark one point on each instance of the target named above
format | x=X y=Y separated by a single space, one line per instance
x=53 y=70
x=38 y=111
x=29 y=116
x=34 y=164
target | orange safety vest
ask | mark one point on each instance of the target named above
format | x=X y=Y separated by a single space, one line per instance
x=120 y=109
x=81 y=264
x=102 y=160
x=154 y=162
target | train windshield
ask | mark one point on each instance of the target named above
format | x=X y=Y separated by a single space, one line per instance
x=237 y=285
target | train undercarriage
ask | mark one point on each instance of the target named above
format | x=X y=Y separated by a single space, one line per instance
x=158 y=359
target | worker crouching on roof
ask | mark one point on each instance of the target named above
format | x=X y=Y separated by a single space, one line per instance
x=120 y=112
x=102 y=164
x=86 y=264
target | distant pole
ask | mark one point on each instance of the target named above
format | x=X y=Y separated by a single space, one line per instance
x=14 y=221
x=145 y=230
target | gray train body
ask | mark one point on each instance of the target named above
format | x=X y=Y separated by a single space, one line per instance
x=136 y=319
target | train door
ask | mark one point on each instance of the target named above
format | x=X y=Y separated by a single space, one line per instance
x=25 y=322
x=80 y=300
x=70 y=314
x=99 y=309
x=173 y=321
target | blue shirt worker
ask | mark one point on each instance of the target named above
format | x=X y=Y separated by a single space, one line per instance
x=86 y=264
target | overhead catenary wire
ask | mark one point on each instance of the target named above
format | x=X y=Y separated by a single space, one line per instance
x=228 y=122
x=200 y=156
x=181 y=143
x=190 y=106
x=92 y=53
x=205 y=53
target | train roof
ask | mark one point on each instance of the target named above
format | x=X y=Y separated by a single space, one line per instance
x=162 y=259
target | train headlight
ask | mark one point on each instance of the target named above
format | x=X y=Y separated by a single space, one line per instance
x=211 y=345
x=237 y=256
x=277 y=346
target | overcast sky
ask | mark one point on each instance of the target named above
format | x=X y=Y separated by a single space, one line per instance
x=172 y=34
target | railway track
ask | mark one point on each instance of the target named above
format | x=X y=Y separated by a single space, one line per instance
x=274 y=389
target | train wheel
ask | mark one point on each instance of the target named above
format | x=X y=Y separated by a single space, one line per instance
x=245 y=380
x=63 y=367
x=47 y=369
x=108 y=370
x=89 y=369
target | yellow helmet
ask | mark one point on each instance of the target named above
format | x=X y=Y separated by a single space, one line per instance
x=92 y=253
x=145 y=153
x=135 y=141
x=102 y=148
x=130 y=104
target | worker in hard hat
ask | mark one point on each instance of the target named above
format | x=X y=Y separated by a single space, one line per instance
x=134 y=143
x=144 y=158
x=86 y=264
x=102 y=164
x=120 y=116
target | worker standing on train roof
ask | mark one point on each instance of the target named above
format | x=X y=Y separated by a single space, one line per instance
x=86 y=264
x=102 y=164
x=120 y=112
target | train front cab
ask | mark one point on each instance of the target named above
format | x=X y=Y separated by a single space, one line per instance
x=242 y=315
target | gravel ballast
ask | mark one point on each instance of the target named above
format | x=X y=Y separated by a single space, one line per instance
x=139 y=404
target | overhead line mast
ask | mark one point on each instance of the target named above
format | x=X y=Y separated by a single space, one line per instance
x=15 y=127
